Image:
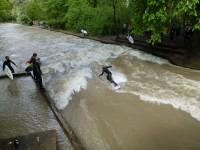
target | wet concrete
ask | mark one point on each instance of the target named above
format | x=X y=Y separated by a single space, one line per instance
x=46 y=140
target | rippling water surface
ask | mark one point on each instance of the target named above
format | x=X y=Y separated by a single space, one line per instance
x=24 y=111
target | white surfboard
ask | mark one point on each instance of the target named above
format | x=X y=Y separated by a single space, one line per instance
x=1 y=63
x=130 y=39
x=8 y=72
x=115 y=87
x=83 y=31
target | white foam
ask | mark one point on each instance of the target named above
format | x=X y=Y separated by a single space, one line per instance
x=179 y=92
x=190 y=105
x=63 y=88
x=119 y=77
x=148 y=57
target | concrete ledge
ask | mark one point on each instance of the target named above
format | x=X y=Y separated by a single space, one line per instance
x=63 y=123
x=45 y=140
x=65 y=126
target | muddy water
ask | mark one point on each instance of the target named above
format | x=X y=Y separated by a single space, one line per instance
x=24 y=111
x=156 y=108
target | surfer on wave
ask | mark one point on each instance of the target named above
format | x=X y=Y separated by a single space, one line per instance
x=8 y=63
x=109 y=74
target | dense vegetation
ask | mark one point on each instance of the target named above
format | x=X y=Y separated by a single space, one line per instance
x=101 y=17
x=5 y=11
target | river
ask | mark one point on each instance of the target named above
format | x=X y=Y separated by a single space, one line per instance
x=157 y=107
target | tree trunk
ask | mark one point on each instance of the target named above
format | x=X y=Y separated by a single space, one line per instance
x=114 y=13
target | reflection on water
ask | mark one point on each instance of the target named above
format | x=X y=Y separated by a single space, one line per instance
x=23 y=111
x=157 y=107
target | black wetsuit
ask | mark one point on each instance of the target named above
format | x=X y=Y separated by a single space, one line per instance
x=8 y=63
x=38 y=74
x=32 y=60
x=109 y=74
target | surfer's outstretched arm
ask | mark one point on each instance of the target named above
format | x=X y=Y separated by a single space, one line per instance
x=101 y=73
x=13 y=63
x=103 y=70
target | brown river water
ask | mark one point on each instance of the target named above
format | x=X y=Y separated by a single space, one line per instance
x=157 y=107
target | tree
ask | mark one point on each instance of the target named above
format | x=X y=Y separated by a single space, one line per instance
x=54 y=12
x=33 y=10
x=152 y=15
x=5 y=11
x=79 y=14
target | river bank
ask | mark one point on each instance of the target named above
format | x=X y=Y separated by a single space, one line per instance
x=179 y=55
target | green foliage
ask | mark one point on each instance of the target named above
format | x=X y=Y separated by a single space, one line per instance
x=197 y=26
x=33 y=10
x=95 y=20
x=186 y=6
x=5 y=11
x=79 y=13
x=138 y=10
x=153 y=15
x=19 y=15
x=100 y=17
x=53 y=12
x=101 y=22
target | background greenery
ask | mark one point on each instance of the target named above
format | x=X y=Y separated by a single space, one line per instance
x=104 y=17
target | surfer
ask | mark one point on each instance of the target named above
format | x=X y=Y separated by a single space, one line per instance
x=33 y=59
x=109 y=74
x=8 y=63
x=38 y=73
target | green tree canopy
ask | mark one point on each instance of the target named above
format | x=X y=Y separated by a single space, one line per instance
x=153 y=15
x=5 y=11
x=102 y=17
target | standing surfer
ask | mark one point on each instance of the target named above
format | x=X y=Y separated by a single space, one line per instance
x=30 y=66
x=38 y=73
x=32 y=60
x=33 y=57
x=109 y=74
x=8 y=63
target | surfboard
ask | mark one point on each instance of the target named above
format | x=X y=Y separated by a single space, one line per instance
x=83 y=31
x=1 y=63
x=129 y=37
x=115 y=87
x=8 y=72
